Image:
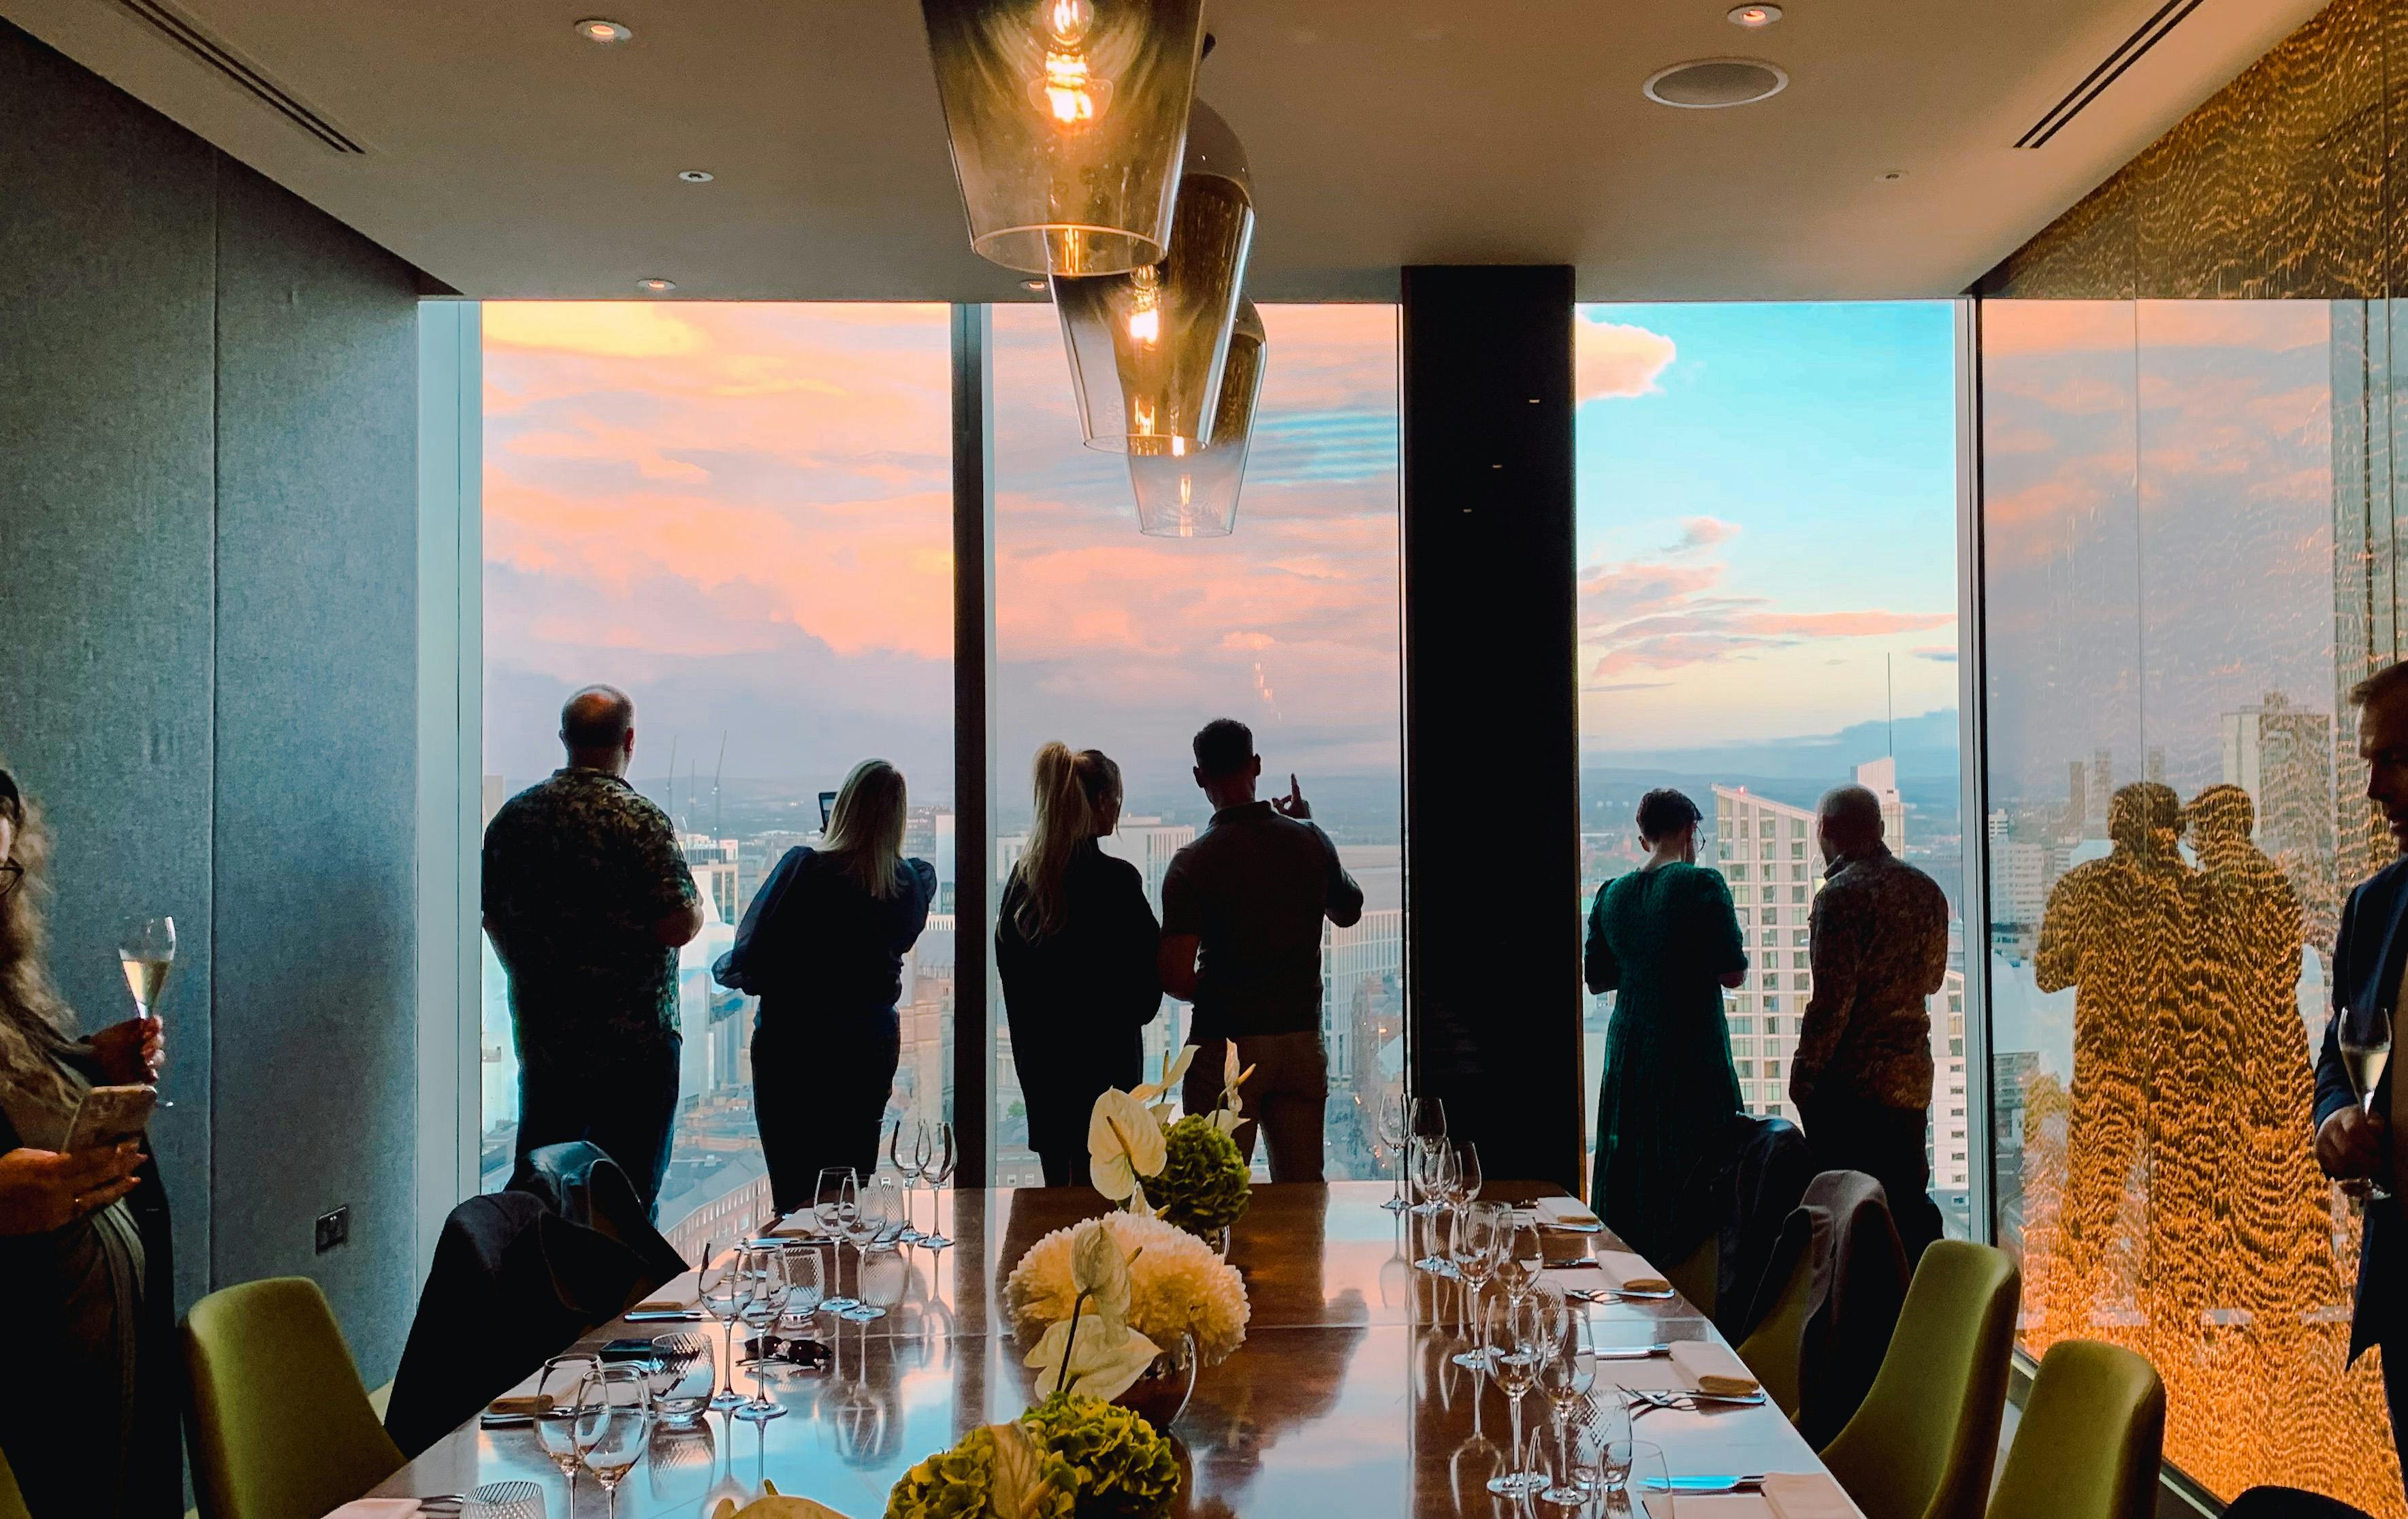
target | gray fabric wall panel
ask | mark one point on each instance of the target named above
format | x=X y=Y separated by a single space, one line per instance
x=106 y=393
x=209 y=508
x=317 y=522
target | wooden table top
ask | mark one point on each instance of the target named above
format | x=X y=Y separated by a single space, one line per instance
x=1343 y=1401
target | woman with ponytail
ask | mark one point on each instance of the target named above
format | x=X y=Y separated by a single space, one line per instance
x=1075 y=945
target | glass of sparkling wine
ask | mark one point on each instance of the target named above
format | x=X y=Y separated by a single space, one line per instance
x=2365 y=1053
x=146 y=951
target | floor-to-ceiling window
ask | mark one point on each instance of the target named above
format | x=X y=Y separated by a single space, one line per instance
x=742 y=515
x=1767 y=561
x=1111 y=641
x=2189 y=550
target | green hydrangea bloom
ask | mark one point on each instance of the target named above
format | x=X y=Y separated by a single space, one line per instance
x=1203 y=1186
x=1124 y=1469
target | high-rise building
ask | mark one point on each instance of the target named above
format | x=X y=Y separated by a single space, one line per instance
x=717 y=872
x=2282 y=756
x=1767 y=851
x=1949 y=1147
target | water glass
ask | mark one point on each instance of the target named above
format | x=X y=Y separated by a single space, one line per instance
x=505 y=1500
x=1509 y=1334
x=1637 y=1469
x=614 y=1426
x=683 y=1376
x=1567 y=1376
x=807 y=1273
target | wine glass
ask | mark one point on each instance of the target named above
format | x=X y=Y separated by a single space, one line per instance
x=912 y=1164
x=683 y=1377
x=1518 y=1261
x=1554 y=1313
x=1465 y=1184
x=765 y=1269
x=1427 y=1155
x=146 y=951
x=938 y=1173
x=1480 y=1230
x=894 y=1214
x=1395 y=1126
x=2365 y=1052
x=859 y=1222
x=725 y=1288
x=1508 y=1335
x=1567 y=1376
x=557 y=1388
x=614 y=1424
x=1434 y=1174
x=828 y=1204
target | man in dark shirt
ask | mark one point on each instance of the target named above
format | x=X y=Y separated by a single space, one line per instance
x=1862 y=1074
x=1241 y=913
x=587 y=899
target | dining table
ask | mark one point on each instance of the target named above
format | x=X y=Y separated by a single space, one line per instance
x=1345 y=1397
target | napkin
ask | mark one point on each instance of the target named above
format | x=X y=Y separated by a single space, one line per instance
x=1563 y=1213
x=376 y=1508
x=1806 y=1494
x=1626 y=1273
x=1708 y=1506
x=516 y=1407
x=661 y=1304
x=1713 y=1368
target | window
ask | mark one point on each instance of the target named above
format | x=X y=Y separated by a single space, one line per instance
x=2175 y=603
x=741 y=514
x=1108 y=640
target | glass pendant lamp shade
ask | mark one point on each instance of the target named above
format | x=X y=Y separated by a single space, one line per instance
x=1147 y=348
x=1195 y=496
x=1066 y=119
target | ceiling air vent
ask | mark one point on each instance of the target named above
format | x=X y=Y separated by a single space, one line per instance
x=186 y=34
x=2109 y=69
x=1711 y=83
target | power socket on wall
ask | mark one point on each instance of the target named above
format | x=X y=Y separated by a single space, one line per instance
x=334 y=1228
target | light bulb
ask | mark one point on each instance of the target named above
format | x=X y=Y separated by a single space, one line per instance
x=1069 y=88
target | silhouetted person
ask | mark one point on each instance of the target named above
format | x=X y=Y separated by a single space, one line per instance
x=1861 y=1076
x=1665 y=941
x=587 y=899
x=2118 y=930
x=1241 y=913
x=2353 y=1143
x=822 y=946
x=1078 y=952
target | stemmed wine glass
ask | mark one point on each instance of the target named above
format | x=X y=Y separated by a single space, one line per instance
x=827 y=1207
x=146 y=951
x=2365 y=1052
x=1481 y=1230
x=726 y=1288
x=1429 y=1134
x=765 y=1268
x=1434 y=1176
x=1464 y=1184
x=1509 y=1336
x=938 y=1173
x=614 y=1426
x=859 y=1219
x=1395 y=1127
x=913 y=1169
x=559 y=1387
x=1567 y=1376
x=1518 y=1261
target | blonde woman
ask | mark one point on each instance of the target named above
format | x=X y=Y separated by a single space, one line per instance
x=822 y=946
x=1075 y=944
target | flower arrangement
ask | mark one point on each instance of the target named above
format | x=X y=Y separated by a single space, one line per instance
x=1175 y=1285
x=1070 y=1455
x=1204 y=1186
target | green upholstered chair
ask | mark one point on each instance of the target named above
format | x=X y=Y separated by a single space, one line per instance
x=1773 y=1348
x=1693 y=1275
x=281 y=1423
x=12 y=1502
x=1925 y=1440
x=2092 y=1437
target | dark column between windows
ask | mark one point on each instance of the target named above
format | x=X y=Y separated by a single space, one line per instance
x=1491 y=784
x=973 y=740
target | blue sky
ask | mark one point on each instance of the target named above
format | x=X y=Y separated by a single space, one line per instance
x=1767 y=507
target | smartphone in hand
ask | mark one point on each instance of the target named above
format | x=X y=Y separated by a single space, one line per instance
x=110 y=1114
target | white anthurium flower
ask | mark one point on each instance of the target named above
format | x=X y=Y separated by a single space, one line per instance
x=1178 y=1072
x=1124 y=1143
x=1018 y=1491
x=1106 y=1356
x=1228 y=1120
x=1099 y=1271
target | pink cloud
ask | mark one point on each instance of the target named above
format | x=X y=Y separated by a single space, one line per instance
x=1613 y=359
x=1697 y=533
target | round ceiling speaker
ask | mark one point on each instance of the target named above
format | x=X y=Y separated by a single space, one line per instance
x=1711 y=83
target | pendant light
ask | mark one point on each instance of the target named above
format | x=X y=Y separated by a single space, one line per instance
x=1066 y=118
x=1147 y=348
x=1197 y=496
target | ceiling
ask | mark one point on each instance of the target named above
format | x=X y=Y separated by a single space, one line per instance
x=508 y=158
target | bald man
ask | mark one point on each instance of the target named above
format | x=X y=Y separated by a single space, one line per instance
x=1861 y=1077
x=588 y=899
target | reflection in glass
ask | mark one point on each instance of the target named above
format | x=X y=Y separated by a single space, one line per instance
x=1195 y=496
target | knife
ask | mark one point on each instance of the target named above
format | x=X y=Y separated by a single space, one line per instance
x=1576 y=1263
x=1631 y=1353
x=1702 y=1485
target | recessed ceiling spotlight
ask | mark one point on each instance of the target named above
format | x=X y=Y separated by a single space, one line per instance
x=696 y=176
x=657 y=285
x=603 y=34
x=1753 y=17
x=1713 y=83
x=1892 y=176
x=1032 y=285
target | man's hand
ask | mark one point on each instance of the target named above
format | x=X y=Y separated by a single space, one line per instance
x=1293 y=805
x=41 y=1190
x=2350 y=1144
x=131 y=1053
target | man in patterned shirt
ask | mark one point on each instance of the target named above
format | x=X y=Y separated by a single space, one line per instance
x=1862 y=1074
x=587 y=899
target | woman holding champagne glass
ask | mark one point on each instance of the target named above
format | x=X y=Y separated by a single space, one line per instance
x=83 y=1235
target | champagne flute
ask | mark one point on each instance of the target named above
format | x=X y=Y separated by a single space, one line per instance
x=725 y=1288
x=765 y=1269
x=614 y=1426
x=558 y=1388
x=2365 y=1053
x=911 y=1168
x=146 y=951
x=938 y=1171
x=1395 y=1127
x=827 y=1203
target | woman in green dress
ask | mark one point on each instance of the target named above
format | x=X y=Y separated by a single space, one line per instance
x=1665 y=939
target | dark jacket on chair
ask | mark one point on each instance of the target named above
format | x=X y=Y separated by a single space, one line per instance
x=1858 y=1280
x=1770 y=1168
x=2368 y=956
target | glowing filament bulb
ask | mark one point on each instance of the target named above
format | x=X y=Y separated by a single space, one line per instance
x=1068 y=88
x=1142 y=412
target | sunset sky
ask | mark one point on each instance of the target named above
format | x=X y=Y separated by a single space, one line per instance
x=740 y=512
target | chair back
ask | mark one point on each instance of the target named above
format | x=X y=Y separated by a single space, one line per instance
x=1774 y=1351
x=1925 y=1439
x=12 y=1501
x=281 y=1426
x=2091 y=1440
x=1696 y=1274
